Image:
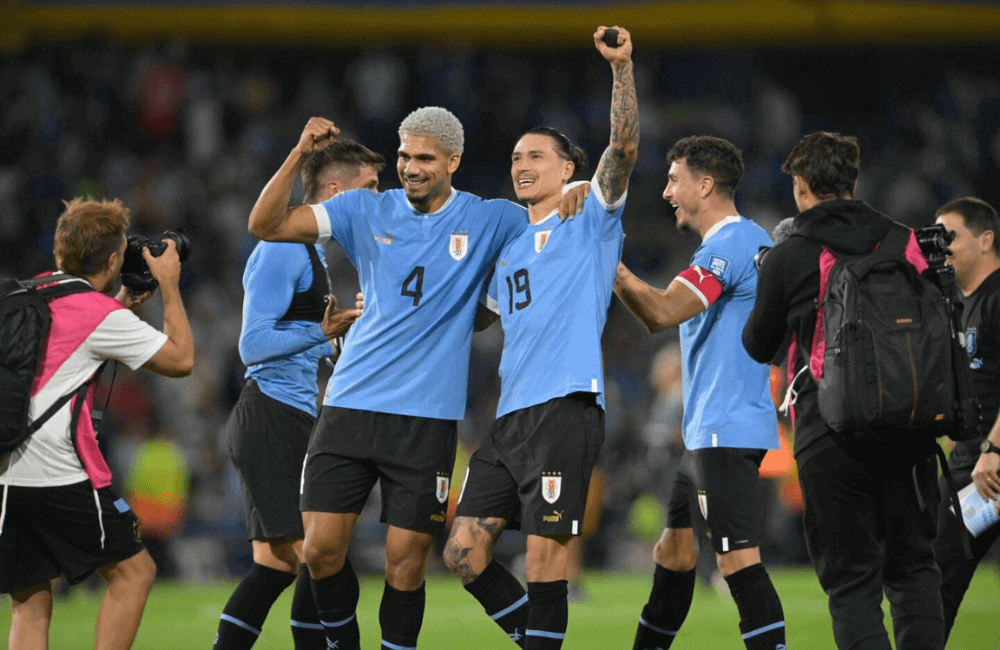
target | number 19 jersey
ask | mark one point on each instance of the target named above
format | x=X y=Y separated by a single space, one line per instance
x=552 y=288
x=421 y=276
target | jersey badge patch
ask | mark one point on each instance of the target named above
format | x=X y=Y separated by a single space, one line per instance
x=458 y=244
x=551 y=486
x=442 y=488
x=388 y=239
x=718 y=266
x=541 y=238
x=703 y=504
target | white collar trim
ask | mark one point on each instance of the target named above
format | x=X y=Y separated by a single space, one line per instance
x=444 y=206
x=719 y=226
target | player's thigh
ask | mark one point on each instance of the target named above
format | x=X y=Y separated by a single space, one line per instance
x=551 y=450
x=415 y=458
x=729 y=495
x=339 y=471
x=489 y=492
x=268 y=441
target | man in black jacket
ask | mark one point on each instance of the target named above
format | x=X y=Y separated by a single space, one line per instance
x=975 y=256
x=867 y=525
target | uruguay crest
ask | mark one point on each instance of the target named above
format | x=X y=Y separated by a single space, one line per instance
x=458 y=244
x=541 y=238
x=551 y=486
x=442 y=488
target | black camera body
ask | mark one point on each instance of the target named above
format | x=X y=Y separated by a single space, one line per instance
x=135 y=272
x=933 y=241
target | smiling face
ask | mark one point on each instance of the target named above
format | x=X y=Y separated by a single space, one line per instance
x=683 y=192
x=425 y=171
x=537 y=170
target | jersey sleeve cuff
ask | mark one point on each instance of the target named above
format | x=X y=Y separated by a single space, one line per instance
x=322 y=223
x=595 y=189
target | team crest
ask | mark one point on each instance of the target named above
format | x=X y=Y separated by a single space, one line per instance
x=718 y=266
x=703 y=504
x=442 y=488
x=458 y=244
x=541 y=238
x=551 y=486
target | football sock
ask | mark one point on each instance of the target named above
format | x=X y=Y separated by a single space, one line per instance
x=668 y=606
x=401 y=615
x=503 y=598
x=244 y=614
x=336 y=599
x=307 y=631
x=762 y=620
x=548 y=614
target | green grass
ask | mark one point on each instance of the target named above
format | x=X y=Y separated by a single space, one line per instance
x=185 y=615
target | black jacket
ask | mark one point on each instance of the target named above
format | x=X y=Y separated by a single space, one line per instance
x=787 y=288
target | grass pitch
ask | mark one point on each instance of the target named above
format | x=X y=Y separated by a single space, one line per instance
x=185 y=615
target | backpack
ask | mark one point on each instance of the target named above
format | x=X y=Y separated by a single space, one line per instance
x=882 y=353
x=24 y=329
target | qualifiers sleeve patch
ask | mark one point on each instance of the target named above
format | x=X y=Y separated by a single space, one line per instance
x=704 y=283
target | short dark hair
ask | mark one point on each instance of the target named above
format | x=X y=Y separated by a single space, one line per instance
x=828 y=162
x=978 y=216
x=564 y=147
x=87 y=233
x=713 y=157
x=347 y=154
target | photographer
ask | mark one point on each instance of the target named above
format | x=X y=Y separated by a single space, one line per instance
x=974 y=254
x=866 y=521
x=59 y=515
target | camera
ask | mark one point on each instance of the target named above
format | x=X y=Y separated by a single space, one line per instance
x=933 y=241
x=135 y=272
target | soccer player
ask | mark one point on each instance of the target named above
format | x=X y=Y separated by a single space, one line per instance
x=390 y=411
x=868 y=533
x=975 y=256
x=551 y=289
x=290 y=322
x=59 y=515
x=729 y=419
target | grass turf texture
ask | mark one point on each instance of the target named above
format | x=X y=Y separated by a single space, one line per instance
x=185 y=615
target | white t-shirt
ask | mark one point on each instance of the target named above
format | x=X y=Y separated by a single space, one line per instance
x=48 y=458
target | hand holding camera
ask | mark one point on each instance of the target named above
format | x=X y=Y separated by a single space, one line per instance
x=150 y=261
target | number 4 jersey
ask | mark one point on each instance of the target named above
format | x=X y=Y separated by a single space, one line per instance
x=552 y=288
x=421 y=276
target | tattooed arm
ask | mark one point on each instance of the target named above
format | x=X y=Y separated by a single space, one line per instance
x=619 y=158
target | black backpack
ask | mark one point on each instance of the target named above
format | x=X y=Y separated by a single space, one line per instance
x=24 y=329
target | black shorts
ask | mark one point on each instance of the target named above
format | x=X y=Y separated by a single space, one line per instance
x=533 y=470
x=413 y=457
x=724 y=485
x=267 y=442
x=56 y=531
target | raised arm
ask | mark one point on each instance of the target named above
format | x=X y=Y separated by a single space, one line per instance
x=271 y=219
x=658 y=309
x=619 y=158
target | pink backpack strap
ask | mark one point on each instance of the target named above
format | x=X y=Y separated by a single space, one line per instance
x=914 y=255
x=791 y=359
x=817 y=352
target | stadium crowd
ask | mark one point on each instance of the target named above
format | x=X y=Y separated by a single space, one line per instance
x=186 y=136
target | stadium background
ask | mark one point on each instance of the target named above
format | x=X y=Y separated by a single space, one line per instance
x=185 y=110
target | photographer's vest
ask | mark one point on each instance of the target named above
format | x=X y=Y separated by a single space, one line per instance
x=310 y=305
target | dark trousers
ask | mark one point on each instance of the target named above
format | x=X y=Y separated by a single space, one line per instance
x=867 y=533
x=956 y=568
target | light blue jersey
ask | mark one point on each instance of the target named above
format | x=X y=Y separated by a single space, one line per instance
x=552 y=288
x=421 y=275
x=727 y=401
x=281 y=355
